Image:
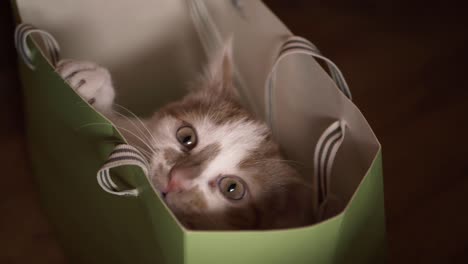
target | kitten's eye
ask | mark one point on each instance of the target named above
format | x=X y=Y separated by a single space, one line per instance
x=232 y=187
x=187 y=137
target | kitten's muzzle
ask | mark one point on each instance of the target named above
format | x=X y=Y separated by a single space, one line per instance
x=180 y=179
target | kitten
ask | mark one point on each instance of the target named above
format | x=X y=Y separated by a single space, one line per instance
x=214 y=164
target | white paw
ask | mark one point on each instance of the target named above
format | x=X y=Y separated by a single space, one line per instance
x=91 y=81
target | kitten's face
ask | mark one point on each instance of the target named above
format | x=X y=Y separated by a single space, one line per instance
x=218 y=168
x=197 y=168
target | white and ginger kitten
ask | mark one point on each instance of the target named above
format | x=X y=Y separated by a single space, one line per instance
x=215 y=165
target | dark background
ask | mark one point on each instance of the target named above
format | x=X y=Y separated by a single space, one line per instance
x=406 y=66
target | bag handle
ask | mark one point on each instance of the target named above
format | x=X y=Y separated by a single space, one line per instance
x=324 y=157
x=122 y=155
x=299 y=45
x=22 y=32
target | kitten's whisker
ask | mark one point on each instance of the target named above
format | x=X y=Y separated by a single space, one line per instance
x=151 y=148
x=135 y=125
x=124 y=129
x=139 y=120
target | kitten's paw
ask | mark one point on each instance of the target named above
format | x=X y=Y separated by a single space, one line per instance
x=90 y=81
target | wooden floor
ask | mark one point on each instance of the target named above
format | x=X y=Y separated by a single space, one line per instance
x=406 y=65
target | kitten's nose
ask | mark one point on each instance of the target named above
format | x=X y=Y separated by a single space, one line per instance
x=179 y=179
x=174 y=185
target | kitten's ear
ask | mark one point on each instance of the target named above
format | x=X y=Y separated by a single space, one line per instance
x=219 y=77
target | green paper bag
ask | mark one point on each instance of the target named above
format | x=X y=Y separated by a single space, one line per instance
x=153 y=49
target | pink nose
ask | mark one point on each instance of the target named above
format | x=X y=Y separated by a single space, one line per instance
x=174 y=186
x=179 y=179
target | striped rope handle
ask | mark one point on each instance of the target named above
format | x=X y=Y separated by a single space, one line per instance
x=122 y=155
x=22 y=32
x=299 y=45
x=324 y=156
x=331 y=139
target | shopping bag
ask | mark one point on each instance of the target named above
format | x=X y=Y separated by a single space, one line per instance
x=104 y=212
